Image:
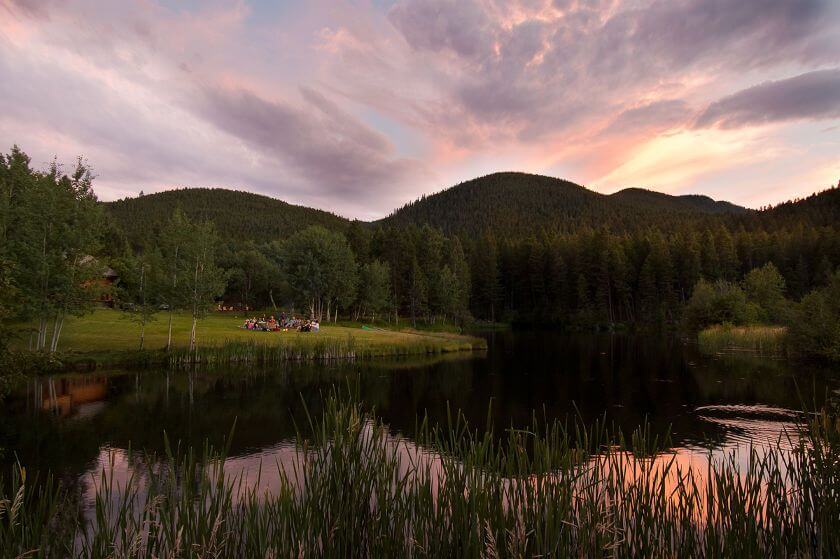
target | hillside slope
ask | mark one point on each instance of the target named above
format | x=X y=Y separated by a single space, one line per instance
x=509 y=204
x=819 y=209
x=521 y=203
x=681 y=203
x=238 y=215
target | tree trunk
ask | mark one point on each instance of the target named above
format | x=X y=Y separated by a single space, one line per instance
x=142 y=304
x=247 y=289
x=171 y=303
x=271 y=297
x=192 y=333
x=169 y=336
x=194 y=306
x=42 y=334
x=59 y=324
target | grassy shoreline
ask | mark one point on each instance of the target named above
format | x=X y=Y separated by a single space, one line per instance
x=757 y=338
x=107 y=338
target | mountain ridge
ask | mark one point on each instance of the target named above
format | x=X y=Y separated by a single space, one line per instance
x=509 y=203
x=545 y=202
x=237 y=214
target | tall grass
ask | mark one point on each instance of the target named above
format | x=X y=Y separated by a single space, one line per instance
x=355 y=490
x=726 y=337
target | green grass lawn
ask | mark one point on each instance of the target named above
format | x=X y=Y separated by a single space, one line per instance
x=106 y=331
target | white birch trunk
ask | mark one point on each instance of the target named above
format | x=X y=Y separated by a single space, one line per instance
x=169 y=336
x=195 y=305
x=59 y=324
x=142 y=305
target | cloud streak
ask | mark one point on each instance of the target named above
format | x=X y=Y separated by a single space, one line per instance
x=811 y=96
x=322 y=142
x=358 y=107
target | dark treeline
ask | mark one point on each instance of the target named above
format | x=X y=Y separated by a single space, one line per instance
x=594 y=277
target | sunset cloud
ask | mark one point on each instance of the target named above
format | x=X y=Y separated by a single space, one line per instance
x=359 y=107
x=812 y=96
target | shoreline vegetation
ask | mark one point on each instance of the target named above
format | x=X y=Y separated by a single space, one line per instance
x=764 y=339
x=105 y=338
x=352 y=488
x=756 y=315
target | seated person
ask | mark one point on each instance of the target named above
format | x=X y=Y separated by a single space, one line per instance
x=314 y=326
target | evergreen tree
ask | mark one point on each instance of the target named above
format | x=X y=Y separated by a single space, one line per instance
x=485 y=276
x=457 y=262
x=417 y=292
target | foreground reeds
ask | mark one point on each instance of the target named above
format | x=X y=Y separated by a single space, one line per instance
x=354 y=490
x=757 y=338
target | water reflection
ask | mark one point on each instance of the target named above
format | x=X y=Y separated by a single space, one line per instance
x=75 y=424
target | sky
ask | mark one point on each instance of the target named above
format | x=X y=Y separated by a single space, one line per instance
x=358 y=107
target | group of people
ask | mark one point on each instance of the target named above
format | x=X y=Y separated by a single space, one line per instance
x=281 y=324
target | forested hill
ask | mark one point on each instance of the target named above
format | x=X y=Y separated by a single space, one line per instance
x=238 y=216
x=510 y=205
x=683 y=203
x=819 y=209
x=521 y=203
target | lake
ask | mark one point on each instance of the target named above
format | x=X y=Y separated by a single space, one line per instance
x=75 y=424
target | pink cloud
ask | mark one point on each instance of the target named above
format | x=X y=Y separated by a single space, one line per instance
x=358 y=109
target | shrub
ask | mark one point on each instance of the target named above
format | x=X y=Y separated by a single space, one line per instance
x=765 y=290
x=815 y=324
x=717 y=303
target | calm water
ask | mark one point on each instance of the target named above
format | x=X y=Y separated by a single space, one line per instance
x=75 y=424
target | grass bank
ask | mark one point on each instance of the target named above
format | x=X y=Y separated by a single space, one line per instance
x=106 y=337
x=757 y=338
x=353 y=489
